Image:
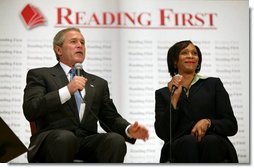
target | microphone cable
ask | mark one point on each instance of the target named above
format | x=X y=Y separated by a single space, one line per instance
x=170 y=131
x=90 y=110
x=79 y=68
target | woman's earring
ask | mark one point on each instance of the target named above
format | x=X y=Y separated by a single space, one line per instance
x=198 y=66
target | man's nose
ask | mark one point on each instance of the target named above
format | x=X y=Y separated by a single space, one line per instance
x=80 y=44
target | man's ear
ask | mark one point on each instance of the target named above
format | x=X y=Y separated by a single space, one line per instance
x=58 y=50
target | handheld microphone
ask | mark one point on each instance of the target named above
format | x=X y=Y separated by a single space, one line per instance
x=78 y=67
x=174 y=87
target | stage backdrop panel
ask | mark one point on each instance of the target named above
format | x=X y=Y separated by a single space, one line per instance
x=127 y=44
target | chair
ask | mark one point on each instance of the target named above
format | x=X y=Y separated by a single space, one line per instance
x=33 y=127
x=34 y=130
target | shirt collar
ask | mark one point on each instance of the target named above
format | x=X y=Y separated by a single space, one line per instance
x=65 y=67
x=197 y=77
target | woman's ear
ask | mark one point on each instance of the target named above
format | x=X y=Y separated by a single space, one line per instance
x=175 y=65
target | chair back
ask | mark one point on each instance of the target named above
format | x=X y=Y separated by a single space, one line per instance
x=33 y=127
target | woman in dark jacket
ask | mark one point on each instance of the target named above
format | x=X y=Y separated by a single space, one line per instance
x=194 y=116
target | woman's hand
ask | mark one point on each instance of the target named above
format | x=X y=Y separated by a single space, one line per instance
x=200 y=128
x=177 y=82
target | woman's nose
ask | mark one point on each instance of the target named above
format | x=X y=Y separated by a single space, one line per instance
x=190 y=55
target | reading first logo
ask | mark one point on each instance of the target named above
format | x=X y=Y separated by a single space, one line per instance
x=32 y=17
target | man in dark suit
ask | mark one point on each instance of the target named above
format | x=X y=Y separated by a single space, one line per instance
x=66 y=130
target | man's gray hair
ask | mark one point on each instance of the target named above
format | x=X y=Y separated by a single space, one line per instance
x=59 y=38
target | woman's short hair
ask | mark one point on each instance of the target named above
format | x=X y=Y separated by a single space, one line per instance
x=173 y=56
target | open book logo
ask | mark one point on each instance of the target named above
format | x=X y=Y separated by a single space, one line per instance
x=32 y=17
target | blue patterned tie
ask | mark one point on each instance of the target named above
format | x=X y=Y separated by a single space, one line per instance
x=77 y=94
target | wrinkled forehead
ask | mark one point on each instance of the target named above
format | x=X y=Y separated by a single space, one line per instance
x=73 y=34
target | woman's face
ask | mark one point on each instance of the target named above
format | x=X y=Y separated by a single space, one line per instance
x=188 y=60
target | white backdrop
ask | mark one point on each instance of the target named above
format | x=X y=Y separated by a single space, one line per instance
x=128 y=48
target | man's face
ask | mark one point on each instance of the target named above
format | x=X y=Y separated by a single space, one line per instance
x=73 y=48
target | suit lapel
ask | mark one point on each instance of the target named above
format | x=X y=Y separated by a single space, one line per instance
x=61 y=80
x=194 y=88
x=59 y=75
x=90 y=91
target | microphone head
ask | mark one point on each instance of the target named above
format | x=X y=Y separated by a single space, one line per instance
x=78 y=66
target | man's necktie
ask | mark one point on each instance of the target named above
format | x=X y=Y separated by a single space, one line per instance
x=77 y=94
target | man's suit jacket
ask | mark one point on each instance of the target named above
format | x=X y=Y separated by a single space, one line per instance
x=42 y=105
x=207 y=99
